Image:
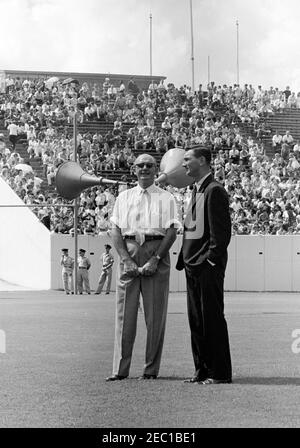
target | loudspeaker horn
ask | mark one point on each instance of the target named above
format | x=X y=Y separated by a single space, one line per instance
x=171 y=170
x=71 y=180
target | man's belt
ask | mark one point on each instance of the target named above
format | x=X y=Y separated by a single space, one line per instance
x=147 y=237
x=81 y=267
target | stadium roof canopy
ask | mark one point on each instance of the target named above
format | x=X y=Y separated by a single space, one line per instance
x=142 y=81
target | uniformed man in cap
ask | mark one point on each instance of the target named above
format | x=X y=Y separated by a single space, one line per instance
x=106 y=273
x=67 y=264
x=84 y=265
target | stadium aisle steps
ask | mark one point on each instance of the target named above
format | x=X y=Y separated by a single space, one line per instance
x=288 y=120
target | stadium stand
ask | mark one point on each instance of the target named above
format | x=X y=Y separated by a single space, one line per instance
x=117 y=122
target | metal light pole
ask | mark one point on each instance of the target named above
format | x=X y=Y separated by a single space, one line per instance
x=151 y=47
x=75 y=204
x=192 y=46
x=208 y=70
x=237 y=53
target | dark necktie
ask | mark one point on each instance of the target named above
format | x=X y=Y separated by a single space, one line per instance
x=194 y=199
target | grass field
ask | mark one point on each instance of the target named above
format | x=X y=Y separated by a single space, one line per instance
x=59 y=351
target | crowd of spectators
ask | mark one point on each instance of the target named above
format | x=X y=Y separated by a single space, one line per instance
x=264 y=191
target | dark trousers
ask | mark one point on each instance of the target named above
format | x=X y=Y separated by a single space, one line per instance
x=209 y=334
x=13 y=140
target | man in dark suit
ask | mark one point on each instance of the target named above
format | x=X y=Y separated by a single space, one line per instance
x=207 y=233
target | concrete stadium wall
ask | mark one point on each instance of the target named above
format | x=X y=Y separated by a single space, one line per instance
x=264 y=263
x=256 y=263
x=25 y=248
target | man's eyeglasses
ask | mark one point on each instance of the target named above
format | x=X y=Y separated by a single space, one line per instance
x=147 y=165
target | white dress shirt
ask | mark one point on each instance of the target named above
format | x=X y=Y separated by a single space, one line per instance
x=149 y=212
x=200 y=182
x=200 y=207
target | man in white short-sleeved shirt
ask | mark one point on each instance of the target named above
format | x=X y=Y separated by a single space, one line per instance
x=144 y=223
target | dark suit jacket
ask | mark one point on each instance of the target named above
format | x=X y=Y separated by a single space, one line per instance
x=207 y=229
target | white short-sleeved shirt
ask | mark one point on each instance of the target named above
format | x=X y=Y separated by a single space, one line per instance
x=132 y=214
x=13 y=129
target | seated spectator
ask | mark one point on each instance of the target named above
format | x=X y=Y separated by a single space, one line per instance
x=217 y=143
x=287 y=93
x=111 y=92
x=149 y=143
x=288 y=138
x=219 y=159
x=293 y=165
x=122 y=87
x=161 y=144
x=152 y=87
x=132 y=87
x=30 y=133
x=292 y=101
x=262 y=130
x=105 y=85
x=234 y=155
x=51 y=173
x=139 y=141
x=161 y=111
x=219 y=173
x=101 y=111
x=14 y=159
x=90 y=112
x=296 y=148
x=166 y=125
x=244 y=156
x=276 y=140
x=13 y=130
x=130 y=160
x=81 y=102
x=122 y=160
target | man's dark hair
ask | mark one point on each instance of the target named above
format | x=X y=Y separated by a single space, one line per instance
x=202 y=151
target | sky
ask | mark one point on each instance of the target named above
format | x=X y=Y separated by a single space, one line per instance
x=113 y=36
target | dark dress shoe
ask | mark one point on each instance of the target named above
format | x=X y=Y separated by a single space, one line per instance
x=196 y=379
x=148 y=377
x=115 y=378
x=209 y=381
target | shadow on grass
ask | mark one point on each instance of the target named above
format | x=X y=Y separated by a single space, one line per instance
x=268 y=381
x=159 y=378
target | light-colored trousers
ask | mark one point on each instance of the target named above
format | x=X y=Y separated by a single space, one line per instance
x=68 y=281
x=155 y=292
x=105 y=274
x=83 y=280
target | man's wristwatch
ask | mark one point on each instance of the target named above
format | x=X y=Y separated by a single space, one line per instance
x=158 y=257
